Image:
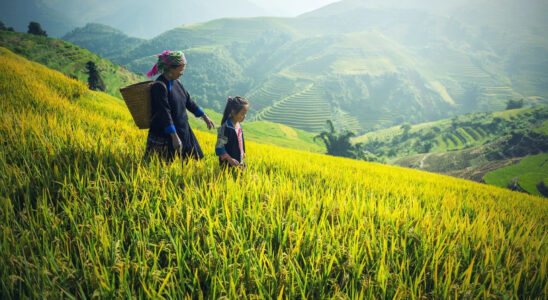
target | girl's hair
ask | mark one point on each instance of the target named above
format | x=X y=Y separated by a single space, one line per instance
x=233 y=104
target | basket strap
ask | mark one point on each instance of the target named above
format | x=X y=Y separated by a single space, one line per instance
x=164 y=85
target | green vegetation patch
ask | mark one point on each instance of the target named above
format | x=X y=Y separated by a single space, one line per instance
x=68 y=58
x=543 y=128
x=530 y=171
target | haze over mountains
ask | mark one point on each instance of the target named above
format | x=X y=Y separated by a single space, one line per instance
x=140 y=18
x=365 y=65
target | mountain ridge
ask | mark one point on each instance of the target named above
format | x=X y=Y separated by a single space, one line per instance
x=138 y=18
x=378 y=67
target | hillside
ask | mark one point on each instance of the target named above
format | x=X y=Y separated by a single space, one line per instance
x=71 y=60
x=467 y=146
x=379 y=68
x=98 y=38
x=457 y=133
x=67 y=58
x=83 y=216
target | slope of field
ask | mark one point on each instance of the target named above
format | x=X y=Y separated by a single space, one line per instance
x=67 y=58
x=83 y=216
x=269 y=133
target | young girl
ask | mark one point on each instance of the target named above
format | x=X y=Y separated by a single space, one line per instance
x=230 y=145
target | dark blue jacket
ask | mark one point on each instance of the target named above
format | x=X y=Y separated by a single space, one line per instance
x=170 y=101
x=227 y=142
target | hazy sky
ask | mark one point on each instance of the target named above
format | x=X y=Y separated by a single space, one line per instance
x=292 y=7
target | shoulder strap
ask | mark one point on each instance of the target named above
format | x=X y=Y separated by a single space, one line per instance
x=162 y=83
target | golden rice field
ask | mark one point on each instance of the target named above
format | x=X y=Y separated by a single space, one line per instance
x=82 y=216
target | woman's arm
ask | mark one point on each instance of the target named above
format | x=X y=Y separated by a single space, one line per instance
x=196 y=110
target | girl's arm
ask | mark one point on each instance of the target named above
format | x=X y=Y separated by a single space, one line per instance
x=220 y=150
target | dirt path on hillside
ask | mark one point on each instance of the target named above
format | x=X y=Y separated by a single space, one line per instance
x=421 y=163
x=476 y=173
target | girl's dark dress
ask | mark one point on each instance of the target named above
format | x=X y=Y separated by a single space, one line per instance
x=170 y=101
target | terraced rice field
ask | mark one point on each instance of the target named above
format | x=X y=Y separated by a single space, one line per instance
x=493 y=91
x=272 y=91
x=345 y=121
x=462 y=136
x=307 y=110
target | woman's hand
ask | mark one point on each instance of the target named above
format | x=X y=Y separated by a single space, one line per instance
x=176 y=142
x=208 y=121
x=233 y=162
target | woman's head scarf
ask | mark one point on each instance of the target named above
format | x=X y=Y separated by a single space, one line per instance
x=166 y=60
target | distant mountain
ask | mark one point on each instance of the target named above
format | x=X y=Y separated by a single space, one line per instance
x=103 y=39
x=18 y=14
x=140 y=18
x=365 y=68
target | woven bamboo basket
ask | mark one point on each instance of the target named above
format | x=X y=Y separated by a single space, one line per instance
x=137 y=98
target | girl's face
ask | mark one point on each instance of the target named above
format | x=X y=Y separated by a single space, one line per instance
x=240 y=116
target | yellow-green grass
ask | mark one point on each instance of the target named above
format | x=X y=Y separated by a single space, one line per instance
x=268 y=133
x=530 y=172
x=83 y=216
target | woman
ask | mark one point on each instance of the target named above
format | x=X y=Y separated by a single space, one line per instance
x=169 y=132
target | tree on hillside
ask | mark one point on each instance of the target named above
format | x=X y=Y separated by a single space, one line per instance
x=337 y=144
x=3 y=27
x=405 y=127
x=35 y=28
x=95 y=82
x=513 y=104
